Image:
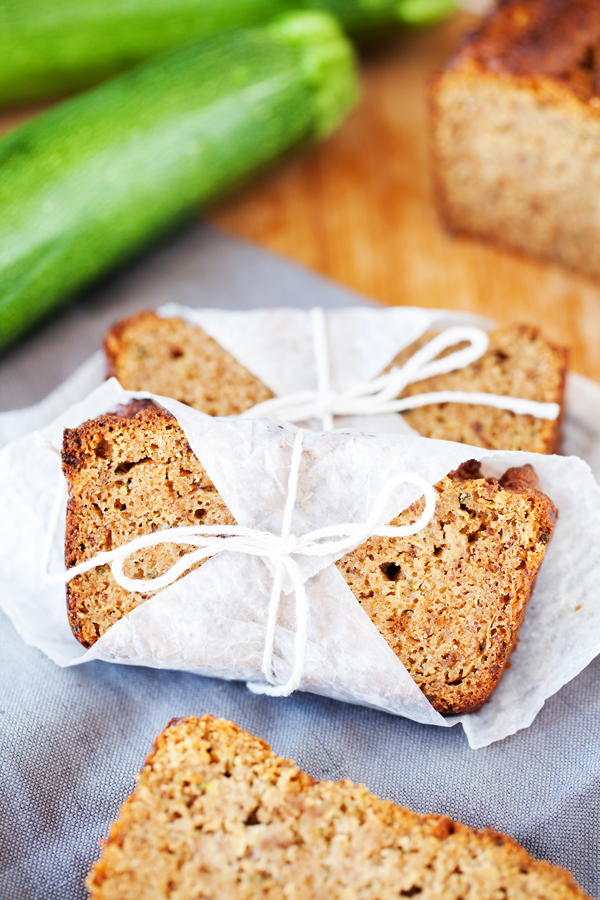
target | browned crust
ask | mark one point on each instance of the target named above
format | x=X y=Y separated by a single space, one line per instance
x=556 y=39
x=73 y=458
x=519 y=480
x=133 y=407
x=74 y=620
x=471 y=468
x=397 y=827
x=540 y=37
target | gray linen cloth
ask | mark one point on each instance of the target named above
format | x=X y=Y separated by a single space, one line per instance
x=72 y=739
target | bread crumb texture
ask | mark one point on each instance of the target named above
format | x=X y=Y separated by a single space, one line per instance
x=519 y=362
x=516 y=130
x=451 y=599
x=216 y=814
x=128 y=477
x=172 y=358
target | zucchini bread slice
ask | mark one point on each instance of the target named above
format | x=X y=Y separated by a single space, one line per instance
x=451 y=599
x=519 y=362
x=128 y=476
x=175 y=359
x=216 y=814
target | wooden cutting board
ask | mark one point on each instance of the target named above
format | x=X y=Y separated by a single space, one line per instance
x=359 y=209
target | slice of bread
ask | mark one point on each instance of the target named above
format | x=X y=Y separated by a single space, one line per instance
x=450 y=600
x=128 y=477
x=216 y=814
x=519 y=362
x=516 y=131
x=172 y=358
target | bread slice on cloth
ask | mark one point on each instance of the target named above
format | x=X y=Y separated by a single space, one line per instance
x=216 y=814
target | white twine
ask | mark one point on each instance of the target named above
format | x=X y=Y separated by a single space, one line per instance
x=279 y=549
x=381 y=395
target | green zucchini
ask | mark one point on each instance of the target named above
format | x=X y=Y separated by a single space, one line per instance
x=90 y=182
x=424 y=12
x=49 y=48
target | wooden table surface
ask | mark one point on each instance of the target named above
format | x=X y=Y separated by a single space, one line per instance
x=359 y=209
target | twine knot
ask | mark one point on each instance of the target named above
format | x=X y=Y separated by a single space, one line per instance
x=382 y=394
x=286 y=546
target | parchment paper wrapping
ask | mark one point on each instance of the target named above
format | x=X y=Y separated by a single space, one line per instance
x=276 y=345
x=213 y=620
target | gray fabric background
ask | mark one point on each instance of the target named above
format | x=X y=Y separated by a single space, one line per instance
x=72 y=739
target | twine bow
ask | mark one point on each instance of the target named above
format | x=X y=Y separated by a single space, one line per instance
x=381 y=395
x=280 y=549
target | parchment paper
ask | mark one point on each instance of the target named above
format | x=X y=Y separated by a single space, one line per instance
x=276 y=345
x=71 y=738
x=211 y=623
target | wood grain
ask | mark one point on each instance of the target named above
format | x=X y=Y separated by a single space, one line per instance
x=359 y=209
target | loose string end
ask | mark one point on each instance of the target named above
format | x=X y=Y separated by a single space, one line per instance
x=45 y=444
x=269 y=690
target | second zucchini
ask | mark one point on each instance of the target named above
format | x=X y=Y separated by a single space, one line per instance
x=52 y=47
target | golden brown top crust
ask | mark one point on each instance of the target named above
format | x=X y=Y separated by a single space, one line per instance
x=77 y=441
x=520 y=479
x=132 y=408
x=558 y=39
